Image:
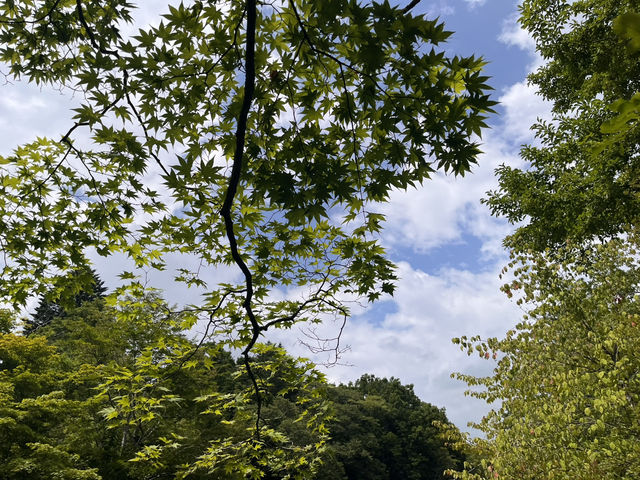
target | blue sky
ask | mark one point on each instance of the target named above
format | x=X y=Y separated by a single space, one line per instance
x=447 y=246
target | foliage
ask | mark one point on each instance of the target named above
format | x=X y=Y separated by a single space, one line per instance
x=566 y=376
x=580 y=183
x=33 y=408
x=476 y=452
x=121 y=393
x=382 y=430
x=244 y=134
x=627 y=27
x=87 y=286
x=340 y=103
x=565 y=385
x=7 y=320
x=106 y=393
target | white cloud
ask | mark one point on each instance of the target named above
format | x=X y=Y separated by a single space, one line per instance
x=27 y=111
x=475 y=3
x=522 y=107
x=413 y=343
x=514 y=35
x=441 y=8
x=447 y=208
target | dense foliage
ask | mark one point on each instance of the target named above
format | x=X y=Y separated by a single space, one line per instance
x=381 y=430
x=88 y=287
x=566 y=388
x=575 y=189
x=105 y=394
x=93 y=396
x=567 y=376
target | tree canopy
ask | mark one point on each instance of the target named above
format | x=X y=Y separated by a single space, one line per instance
x=88 y=286
x=381 y=430
x=565 y=383
x=95 y=395
x=264 y=122
x=576 y=187
x=566 y=378
x=98 y=395
x=250 y=134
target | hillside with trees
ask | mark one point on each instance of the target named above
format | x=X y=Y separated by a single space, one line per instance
x=91 y=396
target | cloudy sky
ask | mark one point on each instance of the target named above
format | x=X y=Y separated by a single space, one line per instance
x=447 y=246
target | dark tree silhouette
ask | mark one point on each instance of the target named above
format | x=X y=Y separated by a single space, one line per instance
x=52 y=305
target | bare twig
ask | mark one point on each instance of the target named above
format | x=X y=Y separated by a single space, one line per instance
x=206 y=332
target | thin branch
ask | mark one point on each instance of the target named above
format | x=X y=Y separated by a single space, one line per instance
x=139 y=117
x=206 y=332
x=410 y=6
x=322 y=343
x=313 y=47
x=316 y=298
x=125 y=83
x=356 y=158
x=92 y=38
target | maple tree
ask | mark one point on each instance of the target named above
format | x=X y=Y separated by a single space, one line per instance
x=245 y=133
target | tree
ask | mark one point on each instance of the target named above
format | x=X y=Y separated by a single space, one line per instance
x=273 y=129
x=89 y=287
x=94 y=396
x=579 y=186
x=565 y=380
x=567 y=376
x=34 y=410
x=627 y=27
x=382 y=430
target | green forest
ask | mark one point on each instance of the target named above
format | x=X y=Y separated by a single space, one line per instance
x=256 y=137
x=89 y=394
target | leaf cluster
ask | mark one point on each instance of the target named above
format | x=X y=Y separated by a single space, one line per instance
x=579 y=184
x=565 y=380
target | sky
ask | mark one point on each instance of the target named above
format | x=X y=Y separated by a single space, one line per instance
x=445 y=242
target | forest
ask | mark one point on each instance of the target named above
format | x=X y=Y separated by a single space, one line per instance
x=258 y=138
x=89 y=395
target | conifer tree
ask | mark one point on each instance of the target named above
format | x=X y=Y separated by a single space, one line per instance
x=55 y=304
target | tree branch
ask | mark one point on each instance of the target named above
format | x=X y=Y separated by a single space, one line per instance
x=232 y=188
x=410 y=6
x=90 y=33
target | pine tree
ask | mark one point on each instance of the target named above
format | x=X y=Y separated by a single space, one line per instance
x=50 y=305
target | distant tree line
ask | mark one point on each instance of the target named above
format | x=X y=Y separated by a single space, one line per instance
x=88 y=392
